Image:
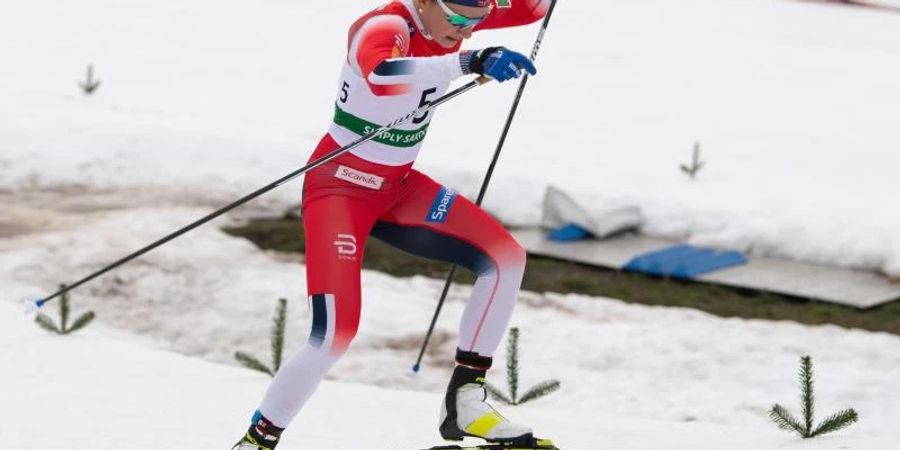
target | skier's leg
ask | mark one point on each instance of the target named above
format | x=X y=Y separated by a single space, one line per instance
x=336 y=229
x=434 y=222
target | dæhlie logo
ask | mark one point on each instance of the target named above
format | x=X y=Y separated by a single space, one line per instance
x=346 y=246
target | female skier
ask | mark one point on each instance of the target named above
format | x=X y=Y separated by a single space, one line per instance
x=399 y=57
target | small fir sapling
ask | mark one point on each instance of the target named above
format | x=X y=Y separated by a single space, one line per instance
x=512 y=377
x=48 y=324
x=276 y=342
x=786 y=421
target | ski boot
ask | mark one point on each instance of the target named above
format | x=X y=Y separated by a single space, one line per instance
x=262 y=435
x=465 y=412
x=248 y=443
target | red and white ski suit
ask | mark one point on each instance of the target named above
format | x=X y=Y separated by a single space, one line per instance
x=391 y=69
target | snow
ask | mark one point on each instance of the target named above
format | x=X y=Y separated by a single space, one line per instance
x=210 y=295
x=90 y=391
x=794 y=105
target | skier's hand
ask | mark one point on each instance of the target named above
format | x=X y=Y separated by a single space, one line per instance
x=500 y=63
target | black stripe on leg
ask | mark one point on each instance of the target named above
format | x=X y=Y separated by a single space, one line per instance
x=427 y=243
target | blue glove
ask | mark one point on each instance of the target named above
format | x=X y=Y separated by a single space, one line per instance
x=500 y=63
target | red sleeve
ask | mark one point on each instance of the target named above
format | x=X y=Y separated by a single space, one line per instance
x=514 y=13
x=378 y=52
x=375 y=40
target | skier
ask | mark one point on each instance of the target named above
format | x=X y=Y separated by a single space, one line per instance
x=401 y=56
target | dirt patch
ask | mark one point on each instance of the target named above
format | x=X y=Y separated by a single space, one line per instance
x=19 y=219
x=442 y=343
x=564 y=277
x=65 y=206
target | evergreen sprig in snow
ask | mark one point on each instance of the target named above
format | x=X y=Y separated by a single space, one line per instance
x=512 y=377
x=696 y=164
x=786 y=421
x=277 y=344
x=48 y=324
x=89 y=85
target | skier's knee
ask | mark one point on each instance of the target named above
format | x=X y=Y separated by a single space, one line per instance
x=330 y=333
x=519 y=253
x=511 y=255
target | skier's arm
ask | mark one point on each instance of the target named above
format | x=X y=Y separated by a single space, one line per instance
x=513 y=13
x=377 y=52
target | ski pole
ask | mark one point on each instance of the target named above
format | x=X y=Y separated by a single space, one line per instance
x=32 y=306
x=487 y=180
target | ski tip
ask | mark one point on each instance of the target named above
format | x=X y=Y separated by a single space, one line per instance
x=32 y=307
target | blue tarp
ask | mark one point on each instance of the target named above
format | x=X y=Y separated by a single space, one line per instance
x=568 y=232
x=684 y=261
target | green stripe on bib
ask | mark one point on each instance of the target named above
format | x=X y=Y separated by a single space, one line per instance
x=393 y=138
